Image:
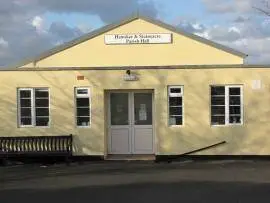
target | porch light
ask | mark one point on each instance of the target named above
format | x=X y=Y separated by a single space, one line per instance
x=130 y=76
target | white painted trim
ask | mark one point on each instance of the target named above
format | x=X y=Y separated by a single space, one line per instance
x=19 y=107
x=227 y=111
x=33 y=107
x=89 y=95
x=131 y=106
x=227 y=105
x=49 y=106
x=169 y=94
x=143 y=126
x=175 y=94
x=82 y=95
x=131 y=119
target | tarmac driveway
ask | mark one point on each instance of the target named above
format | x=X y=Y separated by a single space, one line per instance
x=223 y=181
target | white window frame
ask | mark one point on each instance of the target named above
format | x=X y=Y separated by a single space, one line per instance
x=88 y=95
x=227 y=105
x=33 y=107
x=169 y=94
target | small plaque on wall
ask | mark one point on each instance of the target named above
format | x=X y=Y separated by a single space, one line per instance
x=80 y=77
x=256 y=84
x=131 y=77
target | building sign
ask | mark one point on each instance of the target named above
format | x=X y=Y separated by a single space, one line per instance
x=150 y=38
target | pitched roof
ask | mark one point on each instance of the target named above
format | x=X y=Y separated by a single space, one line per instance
x=123 y=22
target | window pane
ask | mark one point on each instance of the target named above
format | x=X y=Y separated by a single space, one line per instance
x=177 y=111
x=41 y=121
x=41 y=93
x=175 y=120
x=42 y=112
x=83 y=112
x=42 y=102
x=26 y=112
x=25 y=102
x=83 y=121
x=143 y=108
x=25 y=93
x=218 y=90
x=218 y=100
x=235 y=100
x=218 y=110
x=82 y=91
x=235 y=110
x=218 y=120
x=82 y=102
x=175 y=90
x=119 y=109
x=26 y=121
x=82 y=107
x=234 y=91
x=175 y=101
x=235 y=119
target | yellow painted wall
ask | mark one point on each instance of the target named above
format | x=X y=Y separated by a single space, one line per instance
x=94 y=52
x=249 y=139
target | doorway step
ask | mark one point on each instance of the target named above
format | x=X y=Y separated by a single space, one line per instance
x=128 y=157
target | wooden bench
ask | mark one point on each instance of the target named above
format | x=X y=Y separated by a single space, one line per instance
x=35 y=146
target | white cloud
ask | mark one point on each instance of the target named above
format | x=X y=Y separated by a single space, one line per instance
x=39 y=23
x=204 y=34
x=234 y=29
x=25 y=18
x=241 y=42
x=251 y=37
x=84 y=27
x=3 y=43
x=229 y=6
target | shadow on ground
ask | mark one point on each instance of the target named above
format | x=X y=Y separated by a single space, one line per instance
x=147 y=192
x=27 y=172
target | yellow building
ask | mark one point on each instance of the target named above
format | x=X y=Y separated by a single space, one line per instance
x=140 y=87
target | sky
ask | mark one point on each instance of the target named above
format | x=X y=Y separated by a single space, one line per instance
x=30 y=27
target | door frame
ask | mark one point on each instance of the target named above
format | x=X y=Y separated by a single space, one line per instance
x=131 y=115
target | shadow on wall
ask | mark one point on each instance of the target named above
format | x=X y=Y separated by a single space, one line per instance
x=196 y=132
x=86 y=140
x=62 y=111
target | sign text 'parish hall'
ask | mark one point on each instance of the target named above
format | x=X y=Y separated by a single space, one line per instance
x=150 y=38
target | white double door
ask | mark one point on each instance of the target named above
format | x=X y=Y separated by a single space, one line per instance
x=131 y=123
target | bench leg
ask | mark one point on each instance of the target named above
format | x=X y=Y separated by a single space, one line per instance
x=68 y=160
x=4 y=161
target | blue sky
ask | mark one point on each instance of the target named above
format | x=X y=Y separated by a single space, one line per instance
x=42 y=24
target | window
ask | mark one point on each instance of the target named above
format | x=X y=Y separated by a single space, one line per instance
x=226 y=105
x=33 y=107
x=175 y=94
x=82 y=106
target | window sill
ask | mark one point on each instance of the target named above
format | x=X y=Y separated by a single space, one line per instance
x=176 y=126
x=228 y=125
x=38 y=127
x=83 y=127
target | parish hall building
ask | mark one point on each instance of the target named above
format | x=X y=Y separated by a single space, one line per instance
x=140 y=87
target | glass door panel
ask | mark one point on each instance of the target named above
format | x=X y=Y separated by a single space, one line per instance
x=143 y=109
x=119 y=109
